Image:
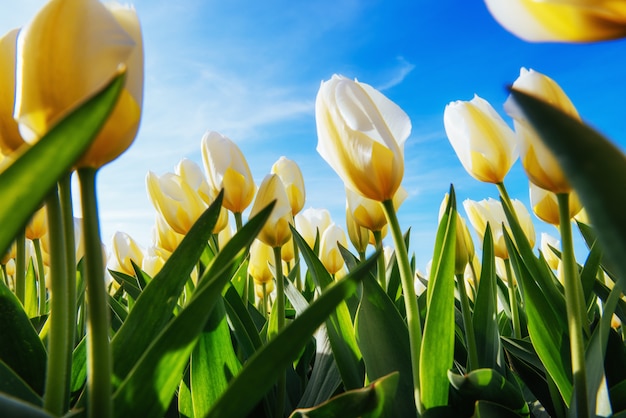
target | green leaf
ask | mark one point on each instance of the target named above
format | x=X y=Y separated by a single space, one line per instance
x=154 y=307
x=21 y=349
x=383 y=338
x=79 y=366
x=593 y=165
x=263 y=369
x=13 y=407
x=13 y=385
x=437 y=352
x=213 y=362
x=244 y=329
x=366 y=402
x=150 y=386
x=29 y=179
x=486 y=409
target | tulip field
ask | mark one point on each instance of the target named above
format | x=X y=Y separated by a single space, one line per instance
x=247 y=305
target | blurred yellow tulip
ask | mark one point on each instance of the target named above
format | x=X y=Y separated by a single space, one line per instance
x=369 y=213
x=361 y=135
x=153 y=260
x=124 y=249
x=561 y=20
x=227 y=169
x=276 y=231
x=311 y=224
x=37 y=227
x=539 y=163
x=546 y=206
x=69 y=51
x=292 y=179
x=548 y=241
x=484 y=143
x=175 y=200
x=261 y=258
x=10 y=138
x=329 y=248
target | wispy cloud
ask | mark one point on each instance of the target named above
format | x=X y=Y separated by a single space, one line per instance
x=402 y=69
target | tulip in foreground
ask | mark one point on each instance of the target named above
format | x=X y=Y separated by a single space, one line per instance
x=10 y=138
x=329 y=248
x=484 y=143
x=561 y=20
x=276 y=231
x=361 y=135
x=546 y=206
x=292 y=179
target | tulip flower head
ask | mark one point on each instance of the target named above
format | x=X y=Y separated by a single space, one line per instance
x=546 y=207
x=464 y=246
x=369 y=213
x=561 y=20
x=261 y=258
x=227 y=169
x=538 y=161
x=292 y=179
x=548 y=241
x=37 y=227
x=312 y=222
x=361 y=135
x=276 y=231
x=10 y=138
x=124 y=249
x=359 y=236
x=68 y=52
x=163 y=236
x=330 y=255
x=484 y=143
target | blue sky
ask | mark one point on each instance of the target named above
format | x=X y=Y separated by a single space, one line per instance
x=251 y=70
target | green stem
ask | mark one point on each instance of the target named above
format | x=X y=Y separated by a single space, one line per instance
x=380 y=263
x=470 y=338
x=410 y=299
x=362 y=256
x=280 y=311
x=296 y=264
x=507 y=200
x=517 y=332
x=20 y=267
x=67 y=212
x=574 y=305
x=57 y=368
x=264 y=300
x=41 y=278
x=98 y=350
x=238 y=220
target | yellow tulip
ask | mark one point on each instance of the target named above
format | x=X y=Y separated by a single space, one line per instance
x=175 y=200
x=484 y=143
x=153 y=260
x=358 y=235
x=69 y=51
x=369 y=213
x=311 y=224
x=539 y=163
x=548 y=241
x=464 y=246
x=329 y=248
x=258 y=288
x=490 y=212
x=227 y=169
x=361 y=135
x=546 y=206
x=192 y=174
x=276 y=231
x=37 y=227
x=164 y=237
x=261 y=258
x=10 y=138
x=124 y=249
x=561 y=20
x=292 y=179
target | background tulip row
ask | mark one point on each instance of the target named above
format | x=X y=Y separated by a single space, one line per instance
x=275 y=314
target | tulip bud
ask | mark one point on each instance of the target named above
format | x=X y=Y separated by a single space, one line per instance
x=358 y=235
x=227 y=169
x=464 y=247
x=483 y=142
x=163 y=236
x=369 y=213
x=37 y=227
x=261 y=257
x=548 y=241
x=561 y=20
x=361 y=135
x=276 y=231
x=10 y=138
x=330 y=255
x=546 y=206
x=539 y=163
x=175 y=200
x=292 y=179
x=123 y=250
x=312 y=222
x=69 y=51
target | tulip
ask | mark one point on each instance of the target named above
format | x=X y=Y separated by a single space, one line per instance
x=227 y=169
x=539 y=163
x=10 y=138
x=361 y=135
x=548 y=241
x=464 y=246
x=330 y=255
x=192 y=174
x=153 y=260
x=369 y=213
x=292 y=179
x=561 y=20
x=261 y=257
x=175 y=200
x=311 y=224
x=358 y=235
x=164 y=237
x=483 y=142
x=69 y=51
x=546 y=206
x=276 y=231
x=491 y=211
x=124 y=249
x=37 y=227
x=258 y=288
